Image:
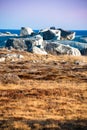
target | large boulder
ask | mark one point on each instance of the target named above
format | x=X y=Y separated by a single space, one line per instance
x=25 y=43
x=50 y=34
x=67 y=35
x=80 y=46
x=25 y=31
x=33 y=44
x=16 y=43
x=55 y=48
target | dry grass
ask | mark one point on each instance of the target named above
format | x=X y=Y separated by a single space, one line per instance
x=43 y=93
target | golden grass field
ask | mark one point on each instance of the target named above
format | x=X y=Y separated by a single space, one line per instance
x=43 y=92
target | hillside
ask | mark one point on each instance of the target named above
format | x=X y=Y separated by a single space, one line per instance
x=43 y=92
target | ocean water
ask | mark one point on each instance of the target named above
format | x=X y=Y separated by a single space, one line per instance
x=79 y=33
x=13 y=31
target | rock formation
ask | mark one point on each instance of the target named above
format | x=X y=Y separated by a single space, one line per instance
x=25 y=31
x=33 y=44
x=55 y=48
x=50 y=34
x=52 y=40
x=67 y=35
x=80 y=46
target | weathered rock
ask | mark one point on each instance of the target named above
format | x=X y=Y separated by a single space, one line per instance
x=67 y=35
x=17 y=43
x=37 y=41
x=26 y=31
x=49 y=34
x=37 y=50
x=54 y=48
x=80 y=46
x=27 y=44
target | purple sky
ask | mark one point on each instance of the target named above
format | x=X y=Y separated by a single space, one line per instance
x=38 y=14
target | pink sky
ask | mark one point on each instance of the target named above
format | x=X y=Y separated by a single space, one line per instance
x=37 y=14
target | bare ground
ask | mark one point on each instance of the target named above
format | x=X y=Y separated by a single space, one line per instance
x=43 y=93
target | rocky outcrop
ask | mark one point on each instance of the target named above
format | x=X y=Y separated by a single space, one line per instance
x=55 y=48
x=33 y=44
x=67 y=35
x=50 y=34
x=80 y=46
x=50 y=40
x=25 y=31
x=57 y=34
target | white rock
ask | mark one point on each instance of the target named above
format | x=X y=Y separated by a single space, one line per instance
x=38 y=41
x=37 y=50
x=26 y=31
x=64 y=49
x=7 y=34
x=58 y=48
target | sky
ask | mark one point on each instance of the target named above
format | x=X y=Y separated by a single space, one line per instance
x=39 y=14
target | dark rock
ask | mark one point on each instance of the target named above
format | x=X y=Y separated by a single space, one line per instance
x=67 y=35
x=50 y=34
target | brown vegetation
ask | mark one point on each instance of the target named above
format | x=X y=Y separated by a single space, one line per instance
x=43 y=93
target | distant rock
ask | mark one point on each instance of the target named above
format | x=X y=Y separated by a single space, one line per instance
x=53 y=28
x=50 y=34
x=57 y=49
x=67 y=35
x=7 y=34
x=25 y=31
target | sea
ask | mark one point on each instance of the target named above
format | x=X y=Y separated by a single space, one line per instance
x=79 y=33
x=13 y=31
